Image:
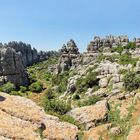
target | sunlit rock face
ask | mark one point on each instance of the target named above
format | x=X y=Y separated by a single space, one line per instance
x=29 y=55
x=21 y=118
x=12 y=68
x=69 y=56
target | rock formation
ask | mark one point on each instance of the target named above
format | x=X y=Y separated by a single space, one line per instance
x=11 y=67
x=91 y=114
x=29 y=55
x=21 y=118
x=69 y=56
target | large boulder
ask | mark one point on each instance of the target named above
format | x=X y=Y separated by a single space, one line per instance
x=21 y=118
x=94 y=113
x=103 y=82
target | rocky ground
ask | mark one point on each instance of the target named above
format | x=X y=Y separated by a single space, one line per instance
x=89 y=96
x=21 y=118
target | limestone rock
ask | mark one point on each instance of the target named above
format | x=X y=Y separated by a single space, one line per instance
x=106 y=67
x=21 y=118
x=12 y=68
x=103 y=82
x=94 y=113
x=70 y=57
x=29 y=55
x=115 y=130
x=97 y=132
x=71 y=86
x=134 y=133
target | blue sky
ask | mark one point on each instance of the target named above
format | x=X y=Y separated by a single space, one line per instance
x=47 y=24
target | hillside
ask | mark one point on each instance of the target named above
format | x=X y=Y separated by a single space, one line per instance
x=91 y=95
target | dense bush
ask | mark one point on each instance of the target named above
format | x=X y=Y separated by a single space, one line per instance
x=23 y=89
x=49 y=94
x=126 y=59
x=8 y=87
x=130 y=45
x=118 y=49
x=131 y=81
x=61 y=80
x=88 y=82
x=36 y=87
x=56 y=106
x=76 y=97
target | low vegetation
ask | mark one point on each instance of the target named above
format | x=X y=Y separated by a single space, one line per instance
x=131 y=81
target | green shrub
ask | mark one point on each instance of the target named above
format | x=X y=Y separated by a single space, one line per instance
x=69 y=119
x=118 y=49
x=36 y=87
x=80 y=135
x=76 y=97
x=8 y=87
x=130 y=45
x=89 y=81
x=89 y=101
x=57 y=106
x=23 y=89
x=126 y=59
x=61 y=81
x=49 y=94
x=131 y=81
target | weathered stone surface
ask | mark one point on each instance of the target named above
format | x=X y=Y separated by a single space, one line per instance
x=103 y=82
x=134 y=133
x=71 y=86
x=70 y=57
x=12 y=68
x=21 y=118
x=106 y=67
x=116 y=130
x=97 y=133
x=29 y=55
x=94 y=113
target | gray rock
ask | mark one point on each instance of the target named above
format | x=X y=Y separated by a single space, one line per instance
x=12 y=68
x=115 y=130
x=94 y=113
x=70 y=57
x=103 y=82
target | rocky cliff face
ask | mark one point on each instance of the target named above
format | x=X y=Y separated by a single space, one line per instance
x=12 y=68
x=29 y=55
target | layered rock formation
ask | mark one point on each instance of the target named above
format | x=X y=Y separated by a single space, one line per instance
x=15 y=57
x=29 y=55
x=11 y=67
x=21 y=118
x=69 y=56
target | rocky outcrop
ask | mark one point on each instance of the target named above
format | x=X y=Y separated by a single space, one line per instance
x=70 y=57
x=29 y=55
x=21 y=118
x=12 y=68
x=71 y=86
x=91 y=114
